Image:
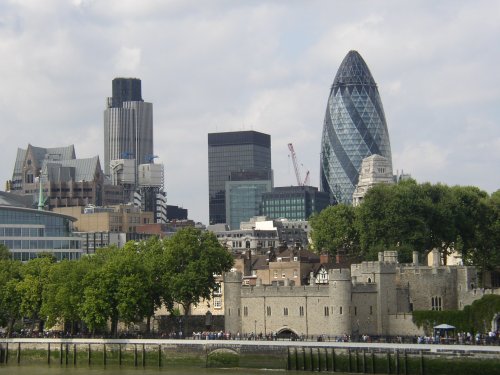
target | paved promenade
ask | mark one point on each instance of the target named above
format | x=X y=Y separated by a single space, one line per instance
x=300 y=344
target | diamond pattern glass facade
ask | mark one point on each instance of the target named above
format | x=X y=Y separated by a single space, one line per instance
x=354 y=128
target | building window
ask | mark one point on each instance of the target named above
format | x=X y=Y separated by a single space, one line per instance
x=217 y=302
x=268 y=309
x=283 y=274
x=371 y=310
x=355 y=310
x=340 y=311
x=285 y=311
x=436 y=304
x=245 y=311
x=301 y=310
x=217 y=290
x=275 y=274
x=295 y=274
x=327 y=311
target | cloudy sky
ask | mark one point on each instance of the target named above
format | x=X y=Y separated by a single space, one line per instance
x=231 y=65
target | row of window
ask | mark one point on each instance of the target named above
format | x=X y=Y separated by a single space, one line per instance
x=22 y=232
x=41 y=244
x=59 y=255
x=327 y=310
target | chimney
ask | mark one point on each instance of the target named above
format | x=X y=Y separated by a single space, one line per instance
x=415 y=258
x=324 y=258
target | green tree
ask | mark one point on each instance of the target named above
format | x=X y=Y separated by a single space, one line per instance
x=333 y=230
x=440 y=211
x=10 y=299
x=116 y=289
x=63 y=292
x=192 y=259
x=484 y=251
x=34 y=277
x=151 y=253
x=393 y=216
x=4 y=252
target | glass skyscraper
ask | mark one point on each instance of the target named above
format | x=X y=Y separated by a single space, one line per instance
x=354 y=128
x=231 y=152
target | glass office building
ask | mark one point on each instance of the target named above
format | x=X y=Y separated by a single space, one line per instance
x=244 y=195
x=354 y=128
x=293 y=202
x=233 y=152
x=27 y=232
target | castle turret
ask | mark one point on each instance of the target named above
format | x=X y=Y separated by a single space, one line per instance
x=232 y=302
x=340 y=295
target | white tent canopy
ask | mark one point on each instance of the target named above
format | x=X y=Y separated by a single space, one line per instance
x=444 y=326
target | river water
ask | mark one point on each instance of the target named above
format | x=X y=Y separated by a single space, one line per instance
x=111 y=370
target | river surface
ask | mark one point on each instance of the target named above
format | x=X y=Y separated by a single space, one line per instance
x=110 y=370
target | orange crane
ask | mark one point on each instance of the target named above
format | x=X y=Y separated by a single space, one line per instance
x=300 y=182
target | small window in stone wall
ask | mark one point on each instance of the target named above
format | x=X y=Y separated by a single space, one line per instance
x=340 y=310
x=217 y=303
x=327 y=311
x=245 y=311
x=285 y=311
x=268 y=310
x=371 y=310
x=436 y=304
x=355 y=310
x=239 y=312
x=301 y=310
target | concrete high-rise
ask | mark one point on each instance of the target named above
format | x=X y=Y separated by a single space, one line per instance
x=128 y=125
x=354 y=128
x=233 y=152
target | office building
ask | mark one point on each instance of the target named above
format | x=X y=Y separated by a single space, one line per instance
x=66 y=181
x=293 y=202
x=354 y=128
x=27 y=232
x=233 y=152
x=244 y=195
x=128 y=125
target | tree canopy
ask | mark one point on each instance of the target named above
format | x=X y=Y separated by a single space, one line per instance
x=415 y=217
x=114 y=285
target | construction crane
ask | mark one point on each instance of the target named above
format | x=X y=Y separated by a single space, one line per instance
x=300 y=182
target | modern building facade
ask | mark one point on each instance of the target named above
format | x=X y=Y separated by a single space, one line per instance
x=27 y=232
x=244 y=195
x=354 y=128
x=293 y=202
x=128 y=125
x=233 y=152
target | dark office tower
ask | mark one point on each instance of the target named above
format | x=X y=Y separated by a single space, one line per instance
x=128 y=125
x=233 y=152
x=354 y=128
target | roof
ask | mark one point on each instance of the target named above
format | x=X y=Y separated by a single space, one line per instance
x=40 y=154
x=85 y=169
x=353 y=71
x=16 y=200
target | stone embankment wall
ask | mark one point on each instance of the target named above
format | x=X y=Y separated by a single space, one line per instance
x=299 y=356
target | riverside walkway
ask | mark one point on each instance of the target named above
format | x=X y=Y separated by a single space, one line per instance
x=433 y=348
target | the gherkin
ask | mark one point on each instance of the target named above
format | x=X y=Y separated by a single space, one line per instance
x=354 y=128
